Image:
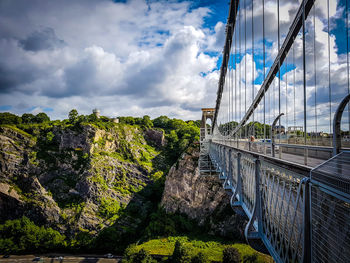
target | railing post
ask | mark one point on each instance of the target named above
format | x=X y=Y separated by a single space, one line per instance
x=238 y=188
x=307 y=224
x=306 y=153
x=229 y=176
x=239 y=177
x=224 y=163
x=258 y=196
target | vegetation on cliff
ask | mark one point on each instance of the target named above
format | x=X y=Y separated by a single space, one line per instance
x=91 y=184
x=95 y=181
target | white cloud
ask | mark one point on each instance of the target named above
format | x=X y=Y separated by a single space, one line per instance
x=130 y=58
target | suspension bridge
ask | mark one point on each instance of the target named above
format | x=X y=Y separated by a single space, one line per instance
x=278 y=137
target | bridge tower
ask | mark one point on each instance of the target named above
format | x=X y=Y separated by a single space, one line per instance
x=204 y=163
x=207 y=113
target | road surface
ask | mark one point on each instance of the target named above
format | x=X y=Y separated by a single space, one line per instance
x=57 y=259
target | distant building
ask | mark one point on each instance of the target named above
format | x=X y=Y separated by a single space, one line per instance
x=96 y=112
x=292 y=129
x=279 y=129
x=115 y=120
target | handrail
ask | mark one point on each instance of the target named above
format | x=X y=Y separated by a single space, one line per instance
x=295 y=167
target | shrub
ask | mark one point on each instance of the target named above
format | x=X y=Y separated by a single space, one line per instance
x=108 y=207
x=131 y=255
x=41 y=117
x=181 y=253
x=9 y=118
x=142 y=257
x=199 y=258
x=106 y=239
x=22 y=235
x=27 y=118
x=231 y=255
x=250 y=258
x=73 y=115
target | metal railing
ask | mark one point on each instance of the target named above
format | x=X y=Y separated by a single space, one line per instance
x=280 y=192
x=296 y=214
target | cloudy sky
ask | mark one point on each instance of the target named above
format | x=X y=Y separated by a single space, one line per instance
x=139 y=57
x=131 y=57
x=326 y=53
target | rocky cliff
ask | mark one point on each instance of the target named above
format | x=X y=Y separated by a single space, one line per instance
x=200 y=197
x=73 y=177
x=82 y=178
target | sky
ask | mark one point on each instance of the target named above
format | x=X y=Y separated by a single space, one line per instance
x=138 y=57
x=126 y=58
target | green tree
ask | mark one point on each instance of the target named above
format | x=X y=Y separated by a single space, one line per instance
x=41 y=117
x=142 y=257
x=252 y=258
x=127 y=120
x=161 y=122
x=28 y=118
x=231 y=255
x=146 y=121
x=181 y=253
x=50 y=136
x=160 y=225
x=106 y=239
x=22 y=235
x=9 y=118
x=199 y=258
x=73 y=115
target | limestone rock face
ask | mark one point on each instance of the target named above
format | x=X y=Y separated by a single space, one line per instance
x=9 y=198
x=200 y=197
x=13 y=154
x=155 y=136
x=70 y=139
x=62 y=176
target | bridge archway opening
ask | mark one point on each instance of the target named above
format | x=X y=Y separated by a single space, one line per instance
x=208 y=125
x=207 y=121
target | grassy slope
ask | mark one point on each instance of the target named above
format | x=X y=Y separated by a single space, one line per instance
x=212 y=249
